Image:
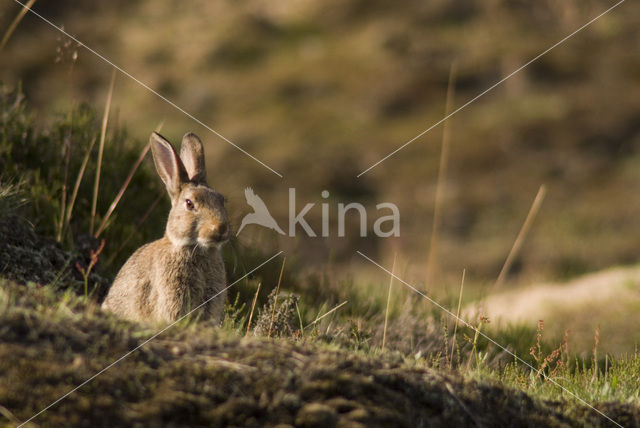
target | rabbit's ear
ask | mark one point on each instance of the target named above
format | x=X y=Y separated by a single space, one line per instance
x=192 y=155
x=168 y=164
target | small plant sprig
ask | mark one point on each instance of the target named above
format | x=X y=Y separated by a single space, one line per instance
x=555 y=357
x=536 y=350
x=86 y=272
x=474 y=342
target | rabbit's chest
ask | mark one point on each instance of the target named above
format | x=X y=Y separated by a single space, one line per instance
x=191 y=277
x=189 y=280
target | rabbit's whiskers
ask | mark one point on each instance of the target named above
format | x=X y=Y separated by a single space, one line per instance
x=193 y=251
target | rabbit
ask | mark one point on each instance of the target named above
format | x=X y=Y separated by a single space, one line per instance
x=165 y=279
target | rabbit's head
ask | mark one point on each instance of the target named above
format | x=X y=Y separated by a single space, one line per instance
x=198 y=216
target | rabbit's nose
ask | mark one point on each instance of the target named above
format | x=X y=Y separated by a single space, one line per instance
x=220 y=232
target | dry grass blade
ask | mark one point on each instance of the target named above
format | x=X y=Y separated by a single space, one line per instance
x=6 y=413
x=326 y=315
x=275 y=299
x=386 y=312
x=127 y=181
x=14 y=24
x=300 y=319
x=76 y=187
x=253 y=308
x=515 y=249
x=66 y=149
x=103 y=133
x=442 y=172
x=455 y=328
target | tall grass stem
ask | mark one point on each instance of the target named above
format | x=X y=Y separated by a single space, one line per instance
x=455 y=327
x=103 y=133
x=326 y=314
x=76 y=187
x=442 y=173
x=66 y=148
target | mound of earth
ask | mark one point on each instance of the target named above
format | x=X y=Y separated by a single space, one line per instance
x=196 y=374
x=26 y=256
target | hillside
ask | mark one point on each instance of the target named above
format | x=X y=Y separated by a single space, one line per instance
x=197 y=375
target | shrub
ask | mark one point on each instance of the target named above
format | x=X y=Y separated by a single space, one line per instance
x=47 y=161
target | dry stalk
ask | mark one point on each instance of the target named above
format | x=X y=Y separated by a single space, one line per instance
x=386 y=312
x=15 y=23
x=515 y=249
x=253 y=307
x=442 y=172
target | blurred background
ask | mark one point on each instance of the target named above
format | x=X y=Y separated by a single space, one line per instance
x=320 y=91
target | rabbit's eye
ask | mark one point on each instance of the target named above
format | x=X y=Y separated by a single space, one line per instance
x=188 y=204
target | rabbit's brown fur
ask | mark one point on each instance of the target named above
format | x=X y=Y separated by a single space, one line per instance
x=165 y=279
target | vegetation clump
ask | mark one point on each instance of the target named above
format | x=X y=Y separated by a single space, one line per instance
x=278 y=317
